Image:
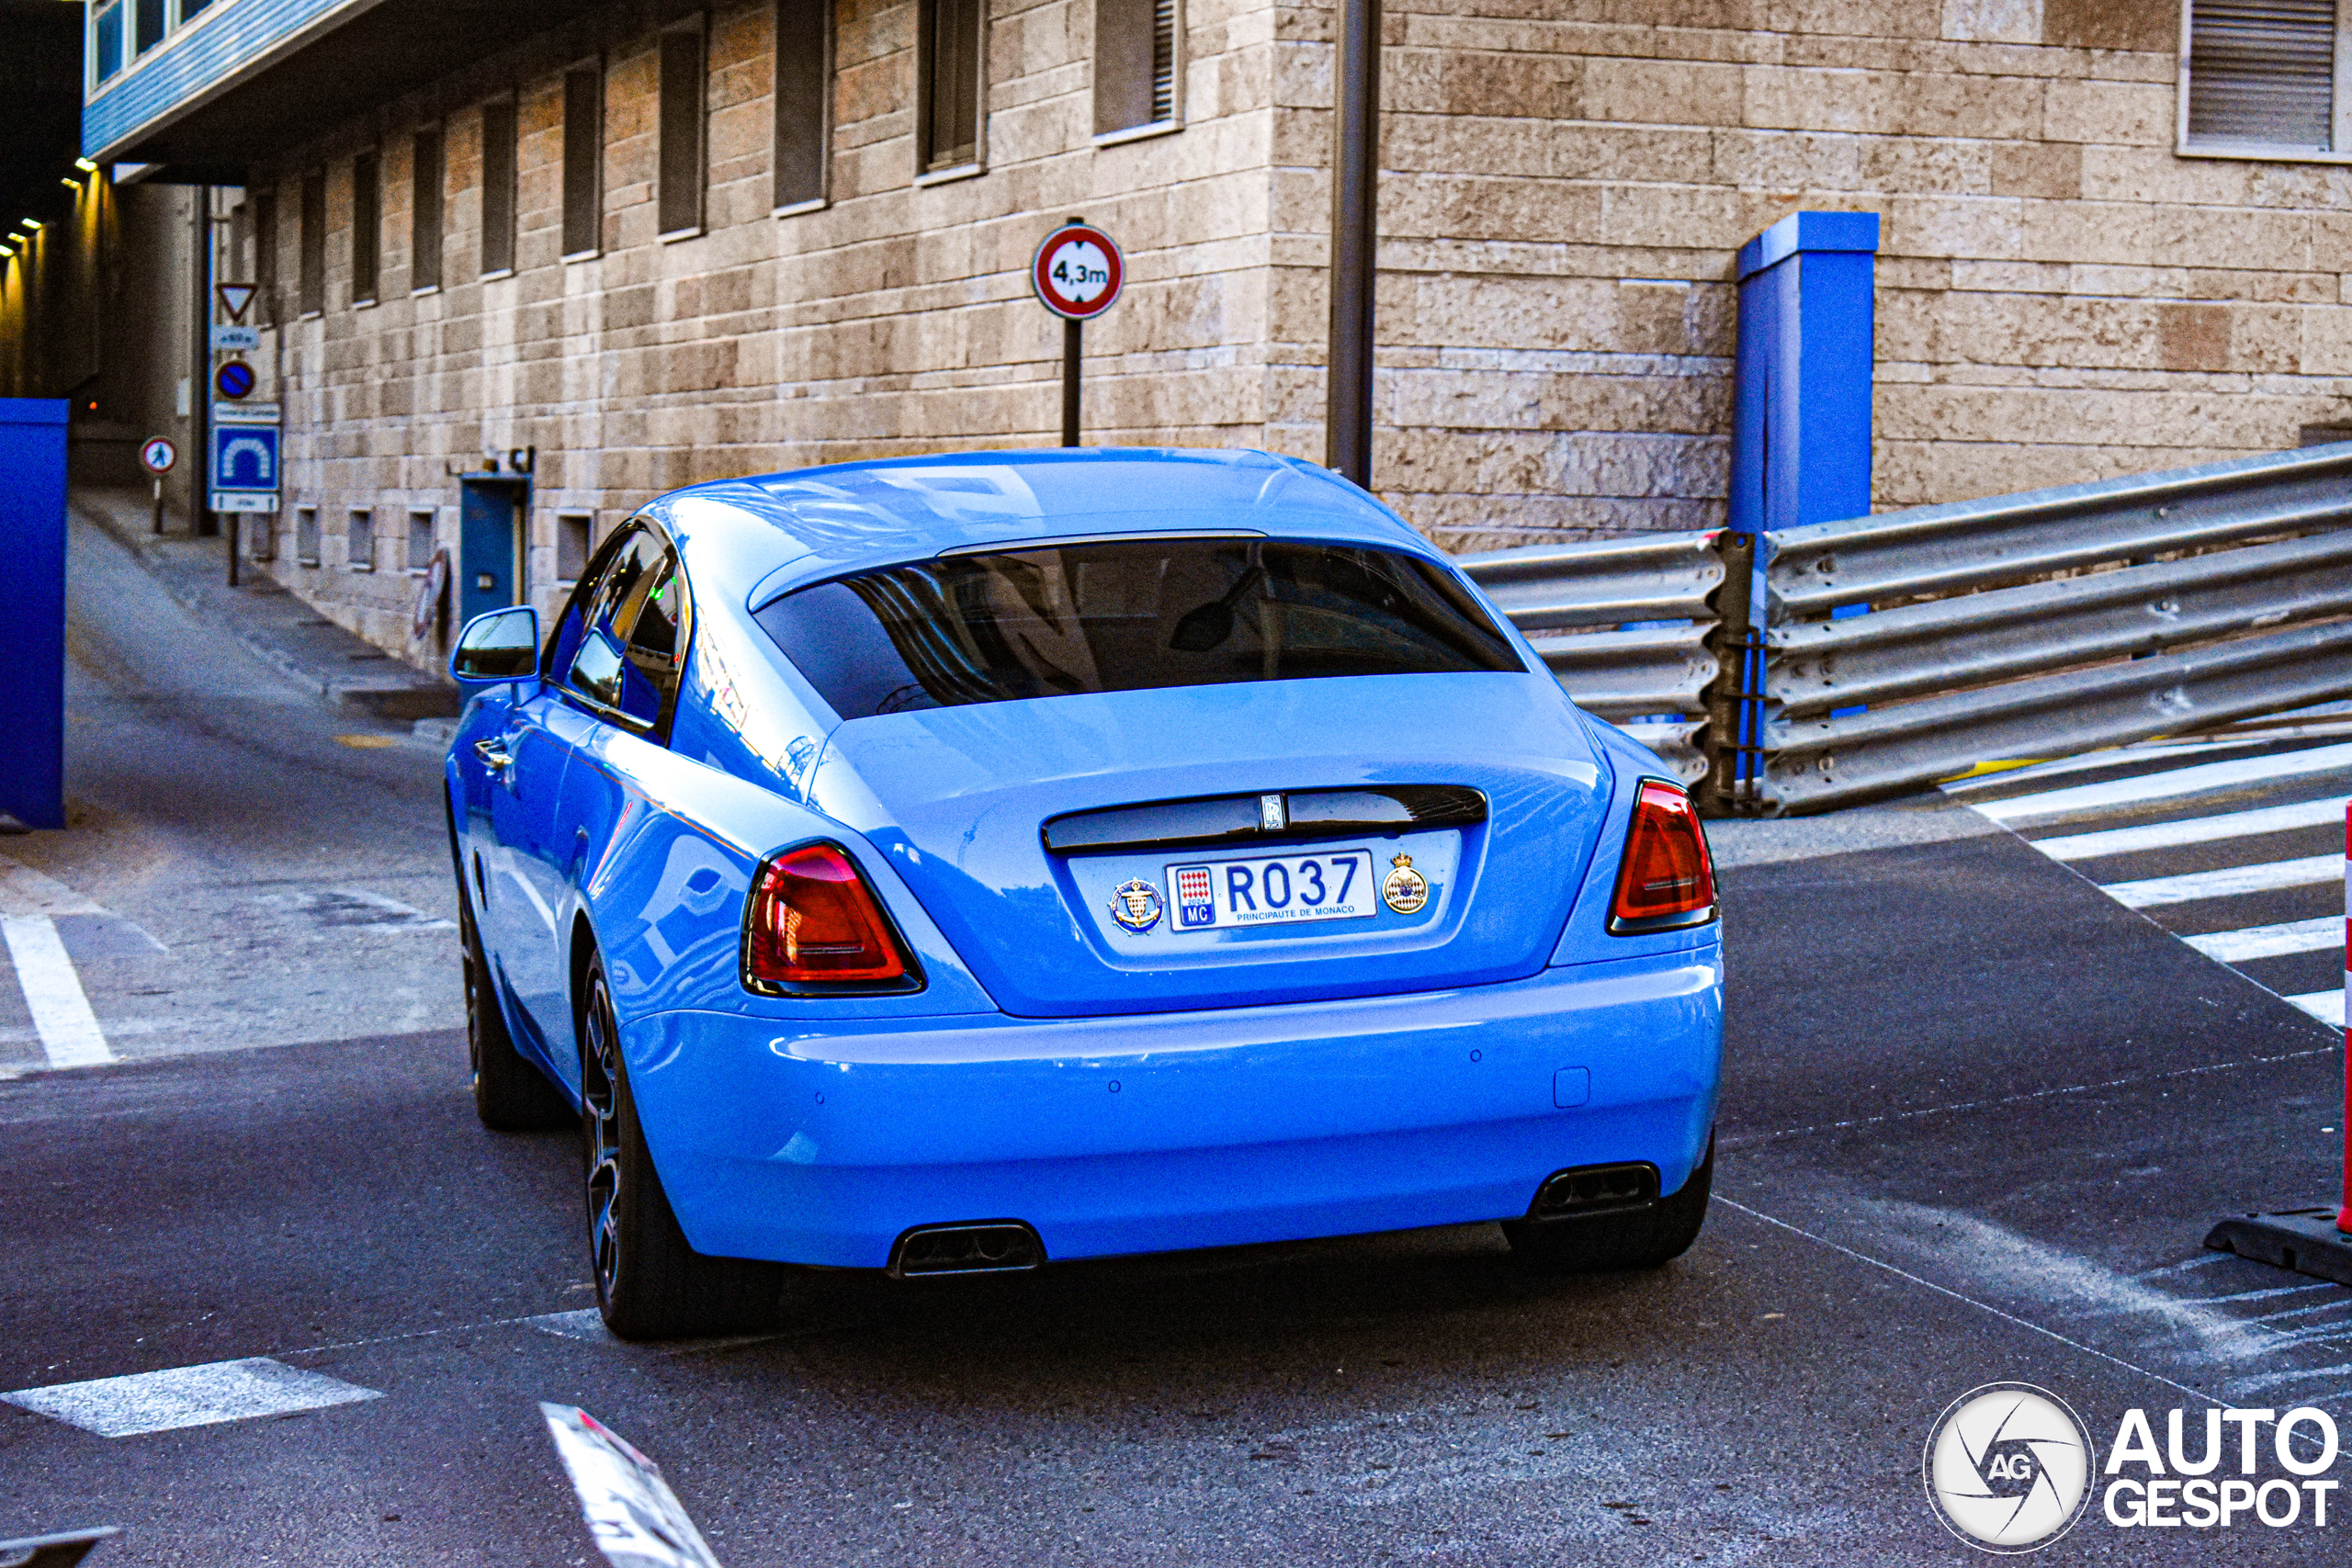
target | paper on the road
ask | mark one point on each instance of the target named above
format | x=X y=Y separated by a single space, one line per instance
x=632 y=1516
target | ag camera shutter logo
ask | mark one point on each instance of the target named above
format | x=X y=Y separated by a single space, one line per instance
x=2008 y=1467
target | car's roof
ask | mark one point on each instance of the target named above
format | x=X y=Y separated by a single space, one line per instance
x=818 y=522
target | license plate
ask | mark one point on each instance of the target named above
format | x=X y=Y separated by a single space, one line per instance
x=1280 y=889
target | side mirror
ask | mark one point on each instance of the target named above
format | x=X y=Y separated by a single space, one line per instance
x=501 y=645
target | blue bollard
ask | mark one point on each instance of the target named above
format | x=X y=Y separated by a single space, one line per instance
x=32 y=544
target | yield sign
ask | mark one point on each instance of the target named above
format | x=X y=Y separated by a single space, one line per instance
x=235 y=297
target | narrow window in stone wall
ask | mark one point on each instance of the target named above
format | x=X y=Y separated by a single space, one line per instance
x=1134 y=65
x=574 y=531
x=313 y=260
x=265 y=307
x=359 y=543
x=2261 y=77
x=420 y=540
x=584 y=158
x=803 y=94
x=948 y=71
x=366 y=225
x=424 y=211
x=498 y=188
x=306 y=535
x=680 y=162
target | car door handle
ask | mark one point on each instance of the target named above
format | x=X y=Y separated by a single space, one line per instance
x=493 y=753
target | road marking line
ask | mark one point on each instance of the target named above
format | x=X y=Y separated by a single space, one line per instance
x=2168 y=784
x=2229 y=881
x=69 y=1030
x=23 y=891
x=2110 y=758
x=201 y=1395
x=2325 y=1006
x=2271 y=941
x=2195 y=830
x=2196 y=1395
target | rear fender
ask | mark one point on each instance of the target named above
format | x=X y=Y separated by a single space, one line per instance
x=665 y=896
x=1587 y=939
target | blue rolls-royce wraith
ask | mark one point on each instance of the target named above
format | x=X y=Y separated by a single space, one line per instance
x=956 y=864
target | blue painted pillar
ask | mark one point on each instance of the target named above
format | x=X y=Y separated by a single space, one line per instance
x=32 y=565
x=1801 y=395
x=1800 y=427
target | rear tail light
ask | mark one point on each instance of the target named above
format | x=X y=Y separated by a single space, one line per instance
x=1666 y=880
x=812 y=921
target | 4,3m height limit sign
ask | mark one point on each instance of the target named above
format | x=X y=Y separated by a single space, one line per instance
x=1078 y=272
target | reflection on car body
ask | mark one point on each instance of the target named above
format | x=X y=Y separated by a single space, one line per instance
x=956 y=863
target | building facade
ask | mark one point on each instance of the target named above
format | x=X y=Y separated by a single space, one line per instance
x=603 y=250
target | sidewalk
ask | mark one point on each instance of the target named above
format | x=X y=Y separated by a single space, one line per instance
x=273 y=624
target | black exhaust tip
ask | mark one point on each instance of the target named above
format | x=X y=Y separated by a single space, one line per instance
x=1594 y=1189
x=983 y=1246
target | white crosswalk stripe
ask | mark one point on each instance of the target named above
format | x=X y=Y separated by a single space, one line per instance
x=2271 y=941
x=2172 y=784
x=2267 y=878
x=2193 y=901
x=2325 y=1006
x=2196 y=830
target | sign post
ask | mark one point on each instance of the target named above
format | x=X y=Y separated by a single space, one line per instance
x=157 y=455
x=1078 y=272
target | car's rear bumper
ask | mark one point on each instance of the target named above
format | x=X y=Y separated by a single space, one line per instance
x=1167 y=1131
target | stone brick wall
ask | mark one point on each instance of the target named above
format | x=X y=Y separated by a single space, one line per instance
x=2061 y=296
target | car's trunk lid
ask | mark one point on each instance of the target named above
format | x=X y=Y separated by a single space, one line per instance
x=1486 y=781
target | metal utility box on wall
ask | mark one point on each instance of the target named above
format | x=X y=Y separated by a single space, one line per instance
x=1801 y=441
x=33 y=542
x=1800 y=420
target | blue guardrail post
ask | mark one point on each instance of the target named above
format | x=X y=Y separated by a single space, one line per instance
x=1801 y=421
x=32 y=546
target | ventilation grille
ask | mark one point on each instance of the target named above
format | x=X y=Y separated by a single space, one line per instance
x=2262 y=71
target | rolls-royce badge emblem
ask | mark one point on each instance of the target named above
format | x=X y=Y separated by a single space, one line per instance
x=1135 y=904
x=1405 y=890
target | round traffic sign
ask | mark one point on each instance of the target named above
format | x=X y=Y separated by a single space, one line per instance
x=1077 y=271
x=233 y=379
x=158 y=454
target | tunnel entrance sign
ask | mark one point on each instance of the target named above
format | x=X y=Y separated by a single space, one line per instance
x=244 y=468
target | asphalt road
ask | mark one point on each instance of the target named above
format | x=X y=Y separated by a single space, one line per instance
x=1979 y=1115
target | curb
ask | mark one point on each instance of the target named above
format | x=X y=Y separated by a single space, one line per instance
x=382 y=699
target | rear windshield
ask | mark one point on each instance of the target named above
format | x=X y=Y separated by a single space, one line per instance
x=1128 y=616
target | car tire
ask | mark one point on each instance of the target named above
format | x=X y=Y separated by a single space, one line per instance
x=511 y=1094
x=1643 y=1238
x=650 y=1283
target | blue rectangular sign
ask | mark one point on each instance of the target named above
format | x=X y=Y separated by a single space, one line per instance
x=245 y=456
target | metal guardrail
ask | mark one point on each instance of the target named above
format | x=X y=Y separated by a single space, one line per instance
x=1861 y=658
x=1627 y=626
x=2050 y=623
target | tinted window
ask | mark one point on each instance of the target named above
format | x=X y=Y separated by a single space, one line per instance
x=620 y=638
x=1126 y=617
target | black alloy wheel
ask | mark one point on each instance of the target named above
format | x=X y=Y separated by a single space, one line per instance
x=650 y=1283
